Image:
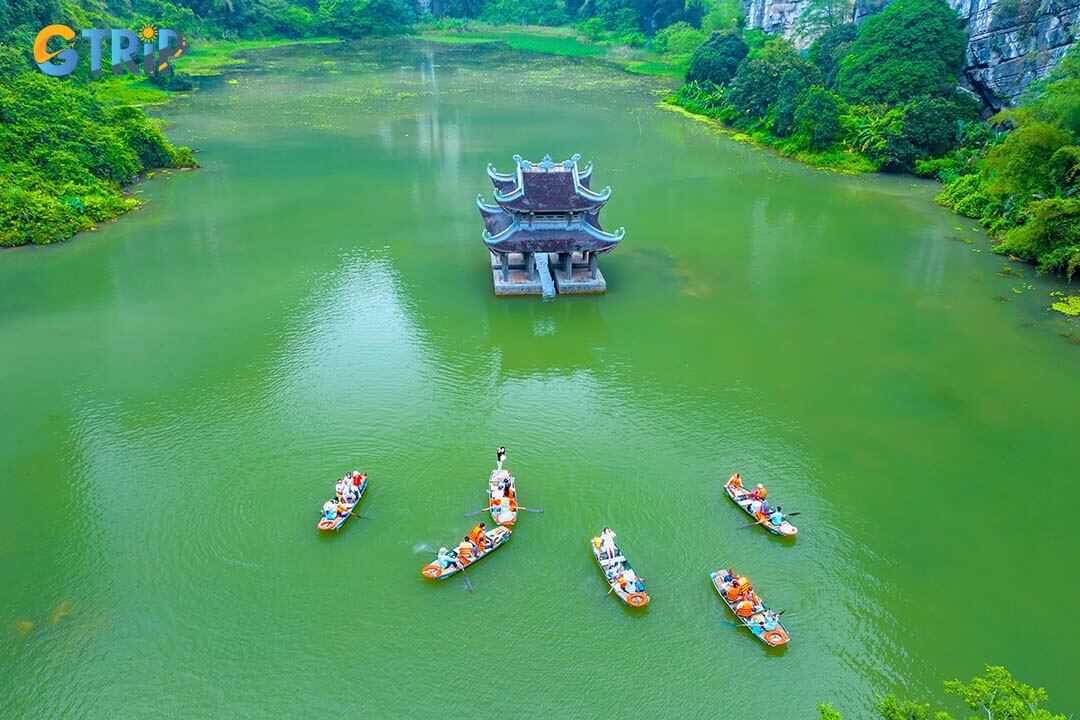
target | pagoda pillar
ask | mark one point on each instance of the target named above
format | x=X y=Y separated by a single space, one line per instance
x=592 y=265
x=505 y=260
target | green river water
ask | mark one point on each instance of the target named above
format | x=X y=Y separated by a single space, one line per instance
x=181 y=388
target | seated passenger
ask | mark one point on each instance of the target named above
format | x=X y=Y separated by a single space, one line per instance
x=632 y=581
x=777 y=517
x=466 y=550
x=759 y=492
x=479 y=537
x=735 y=482
x=744 y=609
x=329 y=509
x=341 y=485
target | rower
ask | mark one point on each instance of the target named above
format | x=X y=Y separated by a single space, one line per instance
x=607 y=543
x=446 y=559
x=735 y=481
x=777 y=517
x=632 y=581
x=329 y=509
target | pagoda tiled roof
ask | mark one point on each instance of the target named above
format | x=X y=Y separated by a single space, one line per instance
x=547 y=187
x=506 y=232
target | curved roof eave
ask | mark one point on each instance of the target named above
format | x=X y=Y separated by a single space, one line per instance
x=602 y=235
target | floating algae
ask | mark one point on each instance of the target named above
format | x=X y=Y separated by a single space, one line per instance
x=62 y=611
x=1009 y=271
x=22 y=628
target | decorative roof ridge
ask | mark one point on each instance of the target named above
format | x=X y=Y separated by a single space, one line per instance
x=498 y=176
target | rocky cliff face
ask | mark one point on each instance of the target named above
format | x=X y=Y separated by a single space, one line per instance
x=1011 y=42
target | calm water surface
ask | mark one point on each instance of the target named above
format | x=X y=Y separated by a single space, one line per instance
x=181 y=387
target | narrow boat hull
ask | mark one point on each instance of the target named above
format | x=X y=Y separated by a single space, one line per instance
x=784 y=529
x=773 y=637
x=335 y=524
x=618 y=564
x=498 y=536
x=507 y=519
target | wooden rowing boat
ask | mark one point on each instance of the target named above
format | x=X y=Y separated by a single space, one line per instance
x=338 y=521
x=741 y=497
x=613 y=568
x=509 y=517
x=764 y=624
x=498 y=537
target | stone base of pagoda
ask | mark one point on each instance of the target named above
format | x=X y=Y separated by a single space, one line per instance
x=577 y=274
x=515 y=274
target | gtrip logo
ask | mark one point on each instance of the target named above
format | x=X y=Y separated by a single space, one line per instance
x=124 y=46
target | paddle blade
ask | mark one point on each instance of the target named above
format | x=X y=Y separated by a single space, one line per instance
x=476 y=512
x=468 y=582
x=535 y=510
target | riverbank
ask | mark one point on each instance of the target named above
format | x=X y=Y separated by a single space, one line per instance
x=564 y=42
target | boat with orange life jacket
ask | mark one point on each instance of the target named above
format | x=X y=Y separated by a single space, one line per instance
x=345 y=510
x=745 y=498
x=504 y=513
x=434 y=570
x=763 y=622
x=619 y=573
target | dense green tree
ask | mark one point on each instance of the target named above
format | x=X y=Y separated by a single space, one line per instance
x=1018 y=166
x=817 y=118
x=679 y=38
x=717 y=59
x=829 y=48
x=912 y=48
x=359 y=18
x=774 y=73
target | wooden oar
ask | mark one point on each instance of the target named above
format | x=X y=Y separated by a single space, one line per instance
x=468 y=582
x=477 y=512
x=535 y=510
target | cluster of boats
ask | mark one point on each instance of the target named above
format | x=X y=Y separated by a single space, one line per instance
x=735 y=590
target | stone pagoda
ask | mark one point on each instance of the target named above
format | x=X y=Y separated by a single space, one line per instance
x=545 y=215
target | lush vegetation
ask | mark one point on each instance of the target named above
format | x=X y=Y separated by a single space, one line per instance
x=65 y=154
x=1020 y=173
x=996 y=695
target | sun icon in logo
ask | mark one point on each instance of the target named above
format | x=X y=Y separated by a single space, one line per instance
x=148 y=33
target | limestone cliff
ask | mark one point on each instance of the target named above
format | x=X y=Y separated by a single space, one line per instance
x=1011 y=42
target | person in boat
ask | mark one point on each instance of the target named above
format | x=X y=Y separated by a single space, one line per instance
x=478 y=537
x=607 y=543
x=759 y=492
x=735 y=483
x=351 y=494
x=777 y=516
x=342 y=484
x=329 y=509
x=744 y=609
x=500 y=457
x=631 y=582
x=446 y=559
x=467 y=550
x=734 y=590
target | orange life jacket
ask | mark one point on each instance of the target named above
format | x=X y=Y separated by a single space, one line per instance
x=745 y=608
